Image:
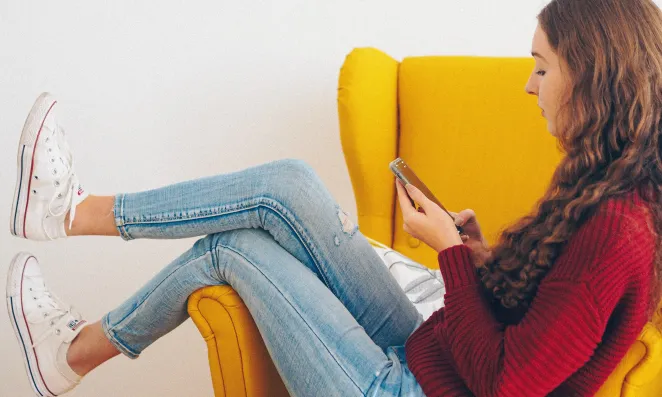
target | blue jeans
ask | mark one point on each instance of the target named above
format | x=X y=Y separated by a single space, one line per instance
x=331 y=315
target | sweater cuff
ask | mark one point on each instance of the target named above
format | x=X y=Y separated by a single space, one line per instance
x=457 y=267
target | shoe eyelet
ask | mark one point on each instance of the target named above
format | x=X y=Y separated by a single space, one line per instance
x=34 y=191
x=36 y=177
x=52 y=160
x=57 y=332
x=59 y=195
x=34 y=298
x=52 y=323
x=47 y=139
x=45 y=315
x=57 y=183
x=54 y=172
x=30 y=289
x=39 y=306
x=50 y=150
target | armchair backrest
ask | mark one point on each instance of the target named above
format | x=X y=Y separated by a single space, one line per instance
x=464 y=124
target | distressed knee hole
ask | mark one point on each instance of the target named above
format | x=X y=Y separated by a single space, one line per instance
x=348 y=226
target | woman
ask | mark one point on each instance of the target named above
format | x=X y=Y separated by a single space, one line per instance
x=550 y=311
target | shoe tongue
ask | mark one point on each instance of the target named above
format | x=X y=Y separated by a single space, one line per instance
x=79 y=193
x=45 y=300
x=49 y=309
x=71 y=325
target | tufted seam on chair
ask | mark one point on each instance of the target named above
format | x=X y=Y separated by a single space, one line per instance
x=241 y=355
x=215 y=294
x=652 y=340
x=200 y=322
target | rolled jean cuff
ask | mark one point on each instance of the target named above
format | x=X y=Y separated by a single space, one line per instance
x=118 y=212
x=115 y=341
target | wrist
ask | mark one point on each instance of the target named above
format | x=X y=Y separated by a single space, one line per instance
x=448 y=242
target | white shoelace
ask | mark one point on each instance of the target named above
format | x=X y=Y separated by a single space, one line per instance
x=52 y=311
x=69 y=178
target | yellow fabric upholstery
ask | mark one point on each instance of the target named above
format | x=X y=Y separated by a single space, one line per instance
x=368 y=109
x=467 y=128
x=239 y=362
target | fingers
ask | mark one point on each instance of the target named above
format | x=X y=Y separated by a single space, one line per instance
x=467 y=214
x=464 y=216
x=418 y=196
x=459 y=219
x=403 y=199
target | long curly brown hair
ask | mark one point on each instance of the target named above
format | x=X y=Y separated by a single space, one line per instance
x=609 y=134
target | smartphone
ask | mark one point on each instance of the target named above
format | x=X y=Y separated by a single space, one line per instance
x=406 y=175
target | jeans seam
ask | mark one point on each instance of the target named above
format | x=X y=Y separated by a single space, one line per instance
x=142 y=301
x=264 y=202
x=240 y=254
x=115 y=341
x=119 y=218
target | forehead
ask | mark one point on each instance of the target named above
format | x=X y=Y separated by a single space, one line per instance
x=540 y=44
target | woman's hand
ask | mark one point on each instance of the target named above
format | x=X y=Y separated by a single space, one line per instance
x=432 y=226
x=472 y=235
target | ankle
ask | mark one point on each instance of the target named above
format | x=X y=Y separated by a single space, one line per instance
x=79 y=219
x=94 y=217
x=90 y=349
x=76 y=357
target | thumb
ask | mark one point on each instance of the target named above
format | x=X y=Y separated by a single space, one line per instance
x=456 y=217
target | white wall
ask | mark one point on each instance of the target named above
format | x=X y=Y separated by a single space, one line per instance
x=155 y=92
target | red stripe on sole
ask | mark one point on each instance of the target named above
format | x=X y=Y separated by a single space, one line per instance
x=34 y=150
x=26 y=320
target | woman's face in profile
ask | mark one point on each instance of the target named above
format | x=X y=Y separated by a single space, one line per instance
x=547 y=81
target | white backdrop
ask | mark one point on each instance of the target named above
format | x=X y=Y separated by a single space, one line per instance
x=154 y=92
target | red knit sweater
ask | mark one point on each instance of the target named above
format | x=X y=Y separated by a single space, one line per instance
x=587 y=312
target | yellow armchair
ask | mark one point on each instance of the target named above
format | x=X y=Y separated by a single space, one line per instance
x=468 y=129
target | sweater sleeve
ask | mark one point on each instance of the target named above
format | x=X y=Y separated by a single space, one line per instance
x=557 y=336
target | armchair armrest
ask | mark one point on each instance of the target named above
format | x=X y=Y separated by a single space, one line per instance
x=646 y=378
x=640 y=372
x=239 y=362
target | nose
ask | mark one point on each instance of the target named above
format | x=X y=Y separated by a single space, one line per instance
x=531 y=87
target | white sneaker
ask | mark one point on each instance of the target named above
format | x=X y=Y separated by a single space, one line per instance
x=47 y=187
x=43 y=326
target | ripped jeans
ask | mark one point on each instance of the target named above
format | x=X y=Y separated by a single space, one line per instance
x=333 y=318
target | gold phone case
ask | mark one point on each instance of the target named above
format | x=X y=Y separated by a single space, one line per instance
x=406 y=175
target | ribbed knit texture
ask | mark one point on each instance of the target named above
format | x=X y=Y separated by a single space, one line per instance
x=588 y=310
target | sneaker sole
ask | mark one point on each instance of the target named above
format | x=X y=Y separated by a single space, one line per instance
x=29 y=139
x=20 y=326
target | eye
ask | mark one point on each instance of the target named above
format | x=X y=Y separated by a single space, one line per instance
x=541 y=73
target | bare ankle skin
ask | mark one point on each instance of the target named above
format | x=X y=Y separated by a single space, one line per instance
x=94 y=217
x=90 y=349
